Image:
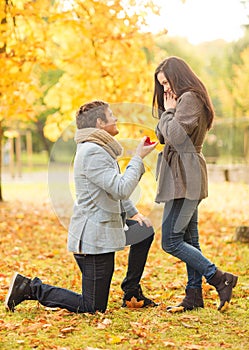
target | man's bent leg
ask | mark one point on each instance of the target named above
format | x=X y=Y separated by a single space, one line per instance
x=97 y=271
x=51 y=296
x=136 y=263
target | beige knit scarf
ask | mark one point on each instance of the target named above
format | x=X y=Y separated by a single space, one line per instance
x=101 y=138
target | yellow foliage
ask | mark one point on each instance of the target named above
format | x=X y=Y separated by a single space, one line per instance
x=144 y=193
x=51 y=131
x=105 y=60
x=23 y=33
x=98 y=45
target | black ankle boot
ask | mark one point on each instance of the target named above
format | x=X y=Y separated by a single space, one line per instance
x=224 y=283
x=134 y=299
x=192 y=300
x=19 y=291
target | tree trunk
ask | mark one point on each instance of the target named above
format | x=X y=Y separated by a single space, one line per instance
x=46 y=143
x=242 y=234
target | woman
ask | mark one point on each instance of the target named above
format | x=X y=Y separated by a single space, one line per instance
x=184 y=108
x=96 y=229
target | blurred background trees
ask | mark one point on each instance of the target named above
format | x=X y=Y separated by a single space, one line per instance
x=56 y=55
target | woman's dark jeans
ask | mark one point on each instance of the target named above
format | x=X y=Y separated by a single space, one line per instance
x=180 y=238
x=97 y=271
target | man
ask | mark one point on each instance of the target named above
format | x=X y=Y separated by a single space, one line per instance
x=98 y=226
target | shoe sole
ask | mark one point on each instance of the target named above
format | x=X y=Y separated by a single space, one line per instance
x=137 y=304
x=9 y=292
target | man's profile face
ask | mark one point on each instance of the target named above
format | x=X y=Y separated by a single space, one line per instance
x=110 y=125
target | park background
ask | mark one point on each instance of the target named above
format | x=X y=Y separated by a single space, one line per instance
x=57 y=55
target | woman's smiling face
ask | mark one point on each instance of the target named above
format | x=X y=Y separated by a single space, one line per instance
x=164 y=82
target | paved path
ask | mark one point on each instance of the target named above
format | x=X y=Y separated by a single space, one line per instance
x=216 y=173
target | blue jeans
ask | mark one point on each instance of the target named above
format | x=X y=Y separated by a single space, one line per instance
x=180 y=238
x=97 y=271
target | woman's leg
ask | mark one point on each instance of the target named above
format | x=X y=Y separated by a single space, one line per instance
x=176 y=219
x=188 y=225
x=192 y=237
x=176 y=229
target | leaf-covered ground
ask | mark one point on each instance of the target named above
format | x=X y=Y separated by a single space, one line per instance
x=34 y=243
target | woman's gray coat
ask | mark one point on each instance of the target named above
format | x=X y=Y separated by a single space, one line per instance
x=181 y=167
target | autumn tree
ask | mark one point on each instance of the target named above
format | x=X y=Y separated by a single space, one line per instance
x=98 y=46
x=104 y=55
x=23 y=52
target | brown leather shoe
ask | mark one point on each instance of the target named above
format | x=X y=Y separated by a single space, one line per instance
x=224 y=283
x=192 y=300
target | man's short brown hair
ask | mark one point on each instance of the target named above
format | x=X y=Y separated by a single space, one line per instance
x=87 y=114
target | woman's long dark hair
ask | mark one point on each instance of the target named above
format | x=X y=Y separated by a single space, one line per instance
x=181 y=79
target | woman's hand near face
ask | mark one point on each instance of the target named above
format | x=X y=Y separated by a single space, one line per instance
x=169 y=100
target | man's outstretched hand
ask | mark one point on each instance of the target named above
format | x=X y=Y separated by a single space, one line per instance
x=143 y=149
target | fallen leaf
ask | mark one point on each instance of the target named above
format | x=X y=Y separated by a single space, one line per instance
x=134 y=303
x=106 y=322
x=113 y=339
x=67 y=330
x=190 y=317
x=187 y=325
x=168 y=344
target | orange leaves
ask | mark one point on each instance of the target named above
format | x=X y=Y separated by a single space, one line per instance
x=134 y=303
x=140 y=328
x=9 y=326
x=32 y=241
